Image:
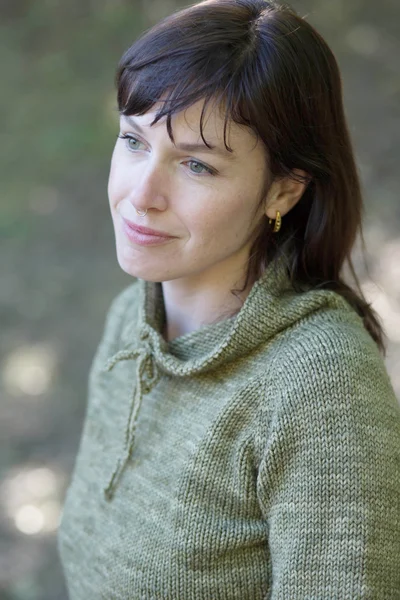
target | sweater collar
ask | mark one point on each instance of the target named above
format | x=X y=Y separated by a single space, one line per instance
x=261 y=316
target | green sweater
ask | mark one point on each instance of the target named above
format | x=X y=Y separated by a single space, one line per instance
x=256 y=458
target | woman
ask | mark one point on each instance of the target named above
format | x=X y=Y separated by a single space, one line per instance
x=241 y=439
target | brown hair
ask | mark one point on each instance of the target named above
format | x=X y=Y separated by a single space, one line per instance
x=273 y=72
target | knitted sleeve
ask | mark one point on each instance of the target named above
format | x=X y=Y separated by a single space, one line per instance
x=328 y=482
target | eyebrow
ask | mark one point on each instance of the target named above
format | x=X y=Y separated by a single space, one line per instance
x=215 y=150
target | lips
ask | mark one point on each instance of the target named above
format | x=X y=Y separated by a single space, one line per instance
x=146 y=230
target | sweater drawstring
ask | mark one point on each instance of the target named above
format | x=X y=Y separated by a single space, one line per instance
x=145 y=364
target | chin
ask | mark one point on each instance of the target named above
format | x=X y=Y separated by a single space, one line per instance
x=130 y=265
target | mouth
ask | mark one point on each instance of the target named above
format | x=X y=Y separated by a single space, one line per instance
x=146 y=230
x=136 y=237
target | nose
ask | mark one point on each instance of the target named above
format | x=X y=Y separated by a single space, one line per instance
x=148 y=188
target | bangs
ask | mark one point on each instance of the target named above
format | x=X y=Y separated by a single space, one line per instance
x=178 y=86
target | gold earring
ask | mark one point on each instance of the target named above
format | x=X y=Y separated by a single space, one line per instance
x=278 y=222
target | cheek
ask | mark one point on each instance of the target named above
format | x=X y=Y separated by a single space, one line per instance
x=221 y=224
x=111 y=178
x=231 y=224
x=115 y=184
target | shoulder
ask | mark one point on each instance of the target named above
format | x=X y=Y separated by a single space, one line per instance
x=121 y=307
x=327 y=392
x=328 y=341
x=116 y=315
x=329 y=363
x=123 y=300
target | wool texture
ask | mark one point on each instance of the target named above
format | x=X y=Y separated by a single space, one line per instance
x=254 y=458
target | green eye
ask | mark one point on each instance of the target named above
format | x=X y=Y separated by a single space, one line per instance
x=130 y=139
x=198 y=168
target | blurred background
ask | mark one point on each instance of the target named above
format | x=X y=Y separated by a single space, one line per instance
x=59 y=270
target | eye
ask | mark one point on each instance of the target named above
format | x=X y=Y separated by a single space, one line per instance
x=199 y=168
x=199 y=165
x=130 y=139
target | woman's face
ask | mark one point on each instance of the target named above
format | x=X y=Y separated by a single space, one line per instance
x=206 y=199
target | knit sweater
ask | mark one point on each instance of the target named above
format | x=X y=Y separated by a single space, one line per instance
x=255 y=458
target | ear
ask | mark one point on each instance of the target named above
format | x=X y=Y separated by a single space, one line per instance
x=284 y=194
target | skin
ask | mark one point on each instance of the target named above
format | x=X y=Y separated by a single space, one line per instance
x=212 y=216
